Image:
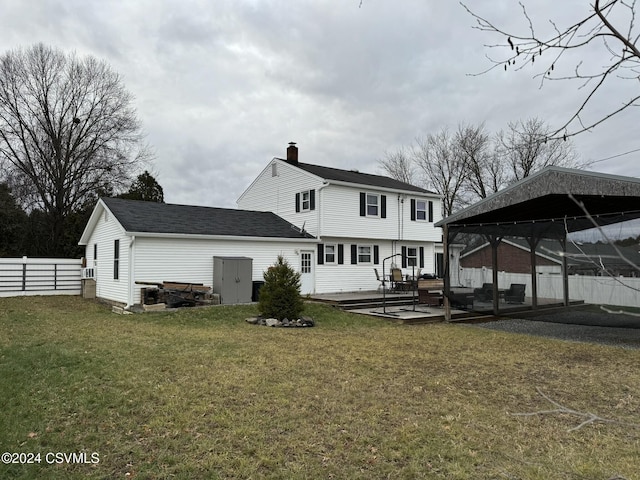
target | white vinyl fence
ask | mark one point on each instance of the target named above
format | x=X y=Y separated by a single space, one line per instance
x=40 y=276
x=621 y=291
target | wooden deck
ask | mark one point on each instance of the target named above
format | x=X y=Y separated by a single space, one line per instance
x=403 y=307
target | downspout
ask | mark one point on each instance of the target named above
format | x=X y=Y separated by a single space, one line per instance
x=319 y=208
x=132 y=271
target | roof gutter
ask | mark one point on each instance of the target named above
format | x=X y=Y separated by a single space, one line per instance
x=384 y=189
x=220 y=237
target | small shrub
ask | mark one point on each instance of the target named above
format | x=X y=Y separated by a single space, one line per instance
x=280 y=294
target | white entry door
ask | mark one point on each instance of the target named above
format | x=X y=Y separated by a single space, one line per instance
x=306 y=272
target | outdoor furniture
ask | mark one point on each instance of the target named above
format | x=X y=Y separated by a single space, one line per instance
x=381 y=280
x=484 y=293
x=461 y=298
x=397 y=282
x=430 y=291
x=515 y=293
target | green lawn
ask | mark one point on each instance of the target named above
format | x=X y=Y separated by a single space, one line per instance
x=202 y=394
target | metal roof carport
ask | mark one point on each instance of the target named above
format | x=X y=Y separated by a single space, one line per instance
x=550 y=203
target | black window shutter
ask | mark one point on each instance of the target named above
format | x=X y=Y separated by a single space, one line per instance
x=383 y=206
x=404 y=257
x=363 y=204
x=312 y=200
x=421 y=257
x=340 y=254
x=376 y=255
x=413 y=209
x=297 y=202
x=320 y=254
x=354 y=254
x=430 y=211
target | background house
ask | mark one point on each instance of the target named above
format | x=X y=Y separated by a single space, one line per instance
x=582 y=258
x=358 y=219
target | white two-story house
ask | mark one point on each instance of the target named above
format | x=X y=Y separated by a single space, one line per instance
x=361 y=222
x=333 y=226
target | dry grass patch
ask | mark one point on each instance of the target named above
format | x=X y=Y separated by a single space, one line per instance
x=202 y=394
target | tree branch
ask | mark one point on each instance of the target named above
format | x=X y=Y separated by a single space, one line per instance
x=589 y=417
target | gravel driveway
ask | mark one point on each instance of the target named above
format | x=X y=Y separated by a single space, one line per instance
x=577 y=326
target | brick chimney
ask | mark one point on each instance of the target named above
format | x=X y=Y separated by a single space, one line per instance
x=292 y=153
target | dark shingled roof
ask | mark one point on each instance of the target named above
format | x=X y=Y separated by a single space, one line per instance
x=152 y=217
x=351 y=176
x=550 y=203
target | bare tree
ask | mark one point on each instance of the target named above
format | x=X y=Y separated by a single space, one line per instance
x=67 y=131
x=443 y=166
x=399 y=165
x=526 y=147
x=608 y=28
x=471 y=164
x=485 y=172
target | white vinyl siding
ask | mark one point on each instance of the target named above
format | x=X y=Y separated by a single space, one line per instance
x=102 y=241
x=191 y=260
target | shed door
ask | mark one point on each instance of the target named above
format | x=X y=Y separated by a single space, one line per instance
x=306 y=272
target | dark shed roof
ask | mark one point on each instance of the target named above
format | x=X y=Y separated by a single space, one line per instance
x=550 y=203
x=151 y=217
x=353 y=176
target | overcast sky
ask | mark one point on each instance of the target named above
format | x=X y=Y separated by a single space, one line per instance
x=222 y=86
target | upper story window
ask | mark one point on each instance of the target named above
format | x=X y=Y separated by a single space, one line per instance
x=274 y=169
x=306 y=201
x=373 y=205
x=421 y=210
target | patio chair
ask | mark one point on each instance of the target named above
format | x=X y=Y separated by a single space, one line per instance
x=485 y=293
x=397 y=282
x=515 y=294
x=381 y=280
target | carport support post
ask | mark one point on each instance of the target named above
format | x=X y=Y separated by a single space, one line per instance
x=565 y=271
x=447 y=280
x=495 y=241
x=533 y=244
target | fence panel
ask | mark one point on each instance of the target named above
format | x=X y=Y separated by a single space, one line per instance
x=40 y=276
x=621 y=291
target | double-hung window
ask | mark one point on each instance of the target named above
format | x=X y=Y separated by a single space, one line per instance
x=421 y=210
x=364 y=254
x=412 y=257
x=330 y=253
x=306 y=201
x=373 y=205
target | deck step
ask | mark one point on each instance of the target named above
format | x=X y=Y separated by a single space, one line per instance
x=374 y=303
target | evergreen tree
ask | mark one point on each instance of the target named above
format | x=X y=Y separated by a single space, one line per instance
x=12 y=224
x=146 y=188
x=280 y=294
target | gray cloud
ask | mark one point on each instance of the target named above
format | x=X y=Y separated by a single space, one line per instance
x=222 y=86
